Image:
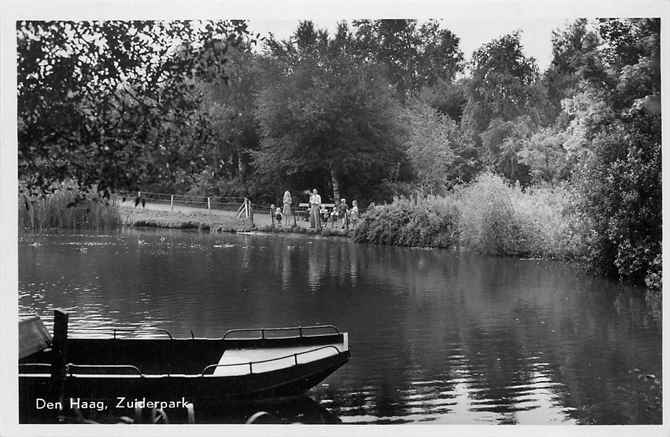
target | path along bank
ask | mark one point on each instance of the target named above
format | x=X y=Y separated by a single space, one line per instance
x=212 y=221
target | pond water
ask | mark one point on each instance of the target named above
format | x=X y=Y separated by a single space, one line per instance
x=435 y=336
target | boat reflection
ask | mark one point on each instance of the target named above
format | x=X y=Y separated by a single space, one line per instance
x=302 y=409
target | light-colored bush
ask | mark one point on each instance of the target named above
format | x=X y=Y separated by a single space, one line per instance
x=487 y=216
x=503 y=219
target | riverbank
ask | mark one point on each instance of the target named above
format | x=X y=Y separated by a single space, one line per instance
x=487 y=216
x=218 y=221
x=193 y=219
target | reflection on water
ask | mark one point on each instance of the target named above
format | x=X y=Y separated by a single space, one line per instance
x=284 y=411
x=436 y=336
x=294 y=410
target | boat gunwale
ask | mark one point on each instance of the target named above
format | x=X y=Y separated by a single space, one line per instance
x=141 y=374
x=346 y=355
x=300 y=329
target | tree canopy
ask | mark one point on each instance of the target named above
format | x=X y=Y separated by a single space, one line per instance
x=114 y=103
x=327 y=114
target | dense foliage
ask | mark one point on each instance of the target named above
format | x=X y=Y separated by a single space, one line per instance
x=570 y=156
x=328 y=116
x=487 y=215
x=114 y=103
x=620 y=175
x=410 y=222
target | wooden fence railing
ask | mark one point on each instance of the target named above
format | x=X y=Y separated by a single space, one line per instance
x=228 y=203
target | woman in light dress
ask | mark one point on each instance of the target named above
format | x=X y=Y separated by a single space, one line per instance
x=288 y=213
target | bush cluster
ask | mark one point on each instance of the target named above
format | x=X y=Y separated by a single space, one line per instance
x=428 y=222
x=488 y=216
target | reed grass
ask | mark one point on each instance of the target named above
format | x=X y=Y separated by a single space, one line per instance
x=66 y=209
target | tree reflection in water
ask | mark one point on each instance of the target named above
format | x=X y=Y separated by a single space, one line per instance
x=436 y=336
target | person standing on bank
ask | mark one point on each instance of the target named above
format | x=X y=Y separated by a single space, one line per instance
x=288 y=213
x=314 y=207
x=354 y=213
x=344 y=213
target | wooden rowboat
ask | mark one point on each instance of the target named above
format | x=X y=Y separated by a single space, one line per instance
x=243 y=364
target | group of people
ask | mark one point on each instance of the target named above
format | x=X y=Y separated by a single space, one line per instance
x=319 y=215
x=340 y=214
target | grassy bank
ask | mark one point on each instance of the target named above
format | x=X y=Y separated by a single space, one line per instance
x=487 y=216
x=221 y=221
x=201 y=220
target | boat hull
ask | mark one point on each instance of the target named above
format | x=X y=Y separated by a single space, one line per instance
x=289 y=381
x=270 y=369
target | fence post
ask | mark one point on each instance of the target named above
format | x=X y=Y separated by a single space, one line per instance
x=171 y=202
x=251 y=212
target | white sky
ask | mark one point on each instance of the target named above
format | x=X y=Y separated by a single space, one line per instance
x=535 y=36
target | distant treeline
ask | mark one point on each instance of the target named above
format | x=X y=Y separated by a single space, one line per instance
x=379 y=108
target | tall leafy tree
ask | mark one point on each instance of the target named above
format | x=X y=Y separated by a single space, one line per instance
x=449 y=98
x=327 y=116
x=620 y=177
x=414 y=55
x=545 y=156
x=230 y=104
x=576 y=54
x=503 y=85
x=438 y=153
x=114 y=103
x=502 y=142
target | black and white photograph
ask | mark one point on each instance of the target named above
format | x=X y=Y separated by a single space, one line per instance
x=334 y=218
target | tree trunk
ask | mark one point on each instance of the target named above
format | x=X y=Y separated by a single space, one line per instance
x=241 y=166
x=336 y=184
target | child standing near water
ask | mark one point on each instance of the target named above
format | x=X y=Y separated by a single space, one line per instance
x=354 y=213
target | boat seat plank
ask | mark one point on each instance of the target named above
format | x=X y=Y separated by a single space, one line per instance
x=237 y=361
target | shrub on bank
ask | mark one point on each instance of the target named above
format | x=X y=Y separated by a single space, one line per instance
x=500 y=219
x=428 y=222
x=487 y=216
x=488 y=222
x=67 y=208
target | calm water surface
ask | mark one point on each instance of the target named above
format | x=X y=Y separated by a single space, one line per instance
x=435 y=336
